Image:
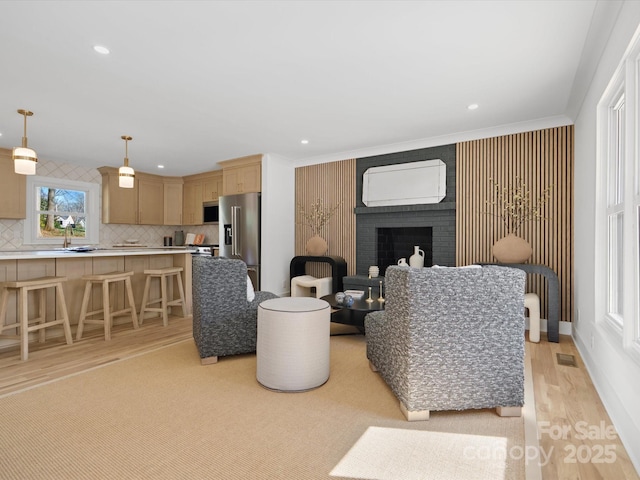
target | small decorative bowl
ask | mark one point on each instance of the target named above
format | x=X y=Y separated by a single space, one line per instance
x=131 y=240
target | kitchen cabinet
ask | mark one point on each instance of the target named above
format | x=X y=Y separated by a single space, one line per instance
x=242 y=175
x=119 y=205
x=197 y=189
x=212 y=187
x=192 y=202
x=12 y=188
x=173 y=187
x=141 y=205
x=150 y=199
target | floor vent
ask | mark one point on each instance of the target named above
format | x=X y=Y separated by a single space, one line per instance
x=566 y=359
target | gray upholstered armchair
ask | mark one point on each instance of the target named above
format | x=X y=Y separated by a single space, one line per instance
x=224 y=321
x=451 y=339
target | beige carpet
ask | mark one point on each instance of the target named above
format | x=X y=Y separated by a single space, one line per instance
x=162 y=415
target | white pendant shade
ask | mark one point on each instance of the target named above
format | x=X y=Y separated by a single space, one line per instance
x=126 y=177
x=25 y=161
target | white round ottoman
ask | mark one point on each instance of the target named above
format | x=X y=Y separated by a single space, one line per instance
x=292 y=349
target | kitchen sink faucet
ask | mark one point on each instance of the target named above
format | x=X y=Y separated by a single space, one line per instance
x=68 y=231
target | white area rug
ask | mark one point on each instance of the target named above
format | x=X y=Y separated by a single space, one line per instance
x=392 y=454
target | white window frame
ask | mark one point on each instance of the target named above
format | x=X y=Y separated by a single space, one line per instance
x=622 y=329
x=92 y=210
x=616 y=162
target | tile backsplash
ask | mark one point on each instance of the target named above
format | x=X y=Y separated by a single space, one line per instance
x=12 y=231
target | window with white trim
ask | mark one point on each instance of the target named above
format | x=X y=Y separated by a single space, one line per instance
x=618 y=205
x=615 y=208
x=57 y=206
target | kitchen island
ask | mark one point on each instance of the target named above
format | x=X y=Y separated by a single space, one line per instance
x=27 y=264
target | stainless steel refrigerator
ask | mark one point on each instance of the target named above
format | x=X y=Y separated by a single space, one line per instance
x=240 y=231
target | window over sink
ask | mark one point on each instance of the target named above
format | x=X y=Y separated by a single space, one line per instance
x=56 y=206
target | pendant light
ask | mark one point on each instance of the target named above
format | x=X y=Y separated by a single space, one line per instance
x=24 y=158
x=126 y=174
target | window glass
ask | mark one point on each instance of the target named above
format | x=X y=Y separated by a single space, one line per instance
x=616 y=270
x=617 y=152
x=57 y=206
x=60 y=210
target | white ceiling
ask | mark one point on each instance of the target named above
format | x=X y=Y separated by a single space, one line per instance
x=196 y=82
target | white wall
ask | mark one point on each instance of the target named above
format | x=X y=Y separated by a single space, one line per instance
x=278 y=223
x=614 y=373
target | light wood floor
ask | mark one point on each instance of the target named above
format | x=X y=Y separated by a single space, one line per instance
x=565 y=396
x=568 y=409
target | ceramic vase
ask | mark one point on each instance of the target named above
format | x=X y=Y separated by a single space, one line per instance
x=316 y=246
x=512 y=249
x=417 y=259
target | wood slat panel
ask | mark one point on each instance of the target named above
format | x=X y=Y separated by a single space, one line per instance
x=333 y=183
x=540 y=159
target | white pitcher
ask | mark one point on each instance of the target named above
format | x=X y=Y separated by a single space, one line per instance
x=402 y=262
x=417 y=259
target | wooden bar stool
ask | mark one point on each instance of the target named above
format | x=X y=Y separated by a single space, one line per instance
x=107 y=318
x=23 y=324
x=164 y=274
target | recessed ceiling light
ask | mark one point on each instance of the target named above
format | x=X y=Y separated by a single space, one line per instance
x=101 y=49
x=160 y=166
x=304 y=142
x=473 y=106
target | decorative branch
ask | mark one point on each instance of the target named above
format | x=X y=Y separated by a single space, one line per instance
x=318 y=215
x=514 y=204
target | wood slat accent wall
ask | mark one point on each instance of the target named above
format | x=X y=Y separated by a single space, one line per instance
x=540 y=158
x=333 y=183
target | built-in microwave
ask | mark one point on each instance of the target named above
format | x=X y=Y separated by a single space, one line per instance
x=210 y=213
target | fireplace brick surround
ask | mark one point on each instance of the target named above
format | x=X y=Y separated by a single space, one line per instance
x=441 y=217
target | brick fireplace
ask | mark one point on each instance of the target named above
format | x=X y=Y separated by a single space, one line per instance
x=436 y=220
x=395 y=243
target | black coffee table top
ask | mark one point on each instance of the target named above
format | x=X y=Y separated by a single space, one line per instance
x=359 y=305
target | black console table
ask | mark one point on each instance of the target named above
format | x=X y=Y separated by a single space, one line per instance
x=362 y=282
x=338 y=268
x=553 y=294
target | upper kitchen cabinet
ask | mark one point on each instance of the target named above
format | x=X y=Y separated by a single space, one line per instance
x=150 y=199
x=173 y=187
x=242 y=175
x=192 y=200
x=12 y=188
x=212 y=186
x=198 y=189
x=141 y=205
x=119 y=205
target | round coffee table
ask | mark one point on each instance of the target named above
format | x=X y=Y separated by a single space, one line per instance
x=353 y=315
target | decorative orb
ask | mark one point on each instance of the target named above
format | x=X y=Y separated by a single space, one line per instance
x=340 y=297
x=348 y=300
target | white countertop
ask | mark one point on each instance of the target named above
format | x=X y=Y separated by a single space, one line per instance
x=106 y=252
